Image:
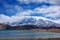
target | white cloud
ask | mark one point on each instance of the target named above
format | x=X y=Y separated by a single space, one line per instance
x=4 y=19
x=32 y=1
x=56 y=21
x=14 y=9
x=38 y=10
x=52 y=11
x=43 y=10
x=54 y=2
x=25 y=13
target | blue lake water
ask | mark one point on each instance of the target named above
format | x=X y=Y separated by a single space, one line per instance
x=27 y=34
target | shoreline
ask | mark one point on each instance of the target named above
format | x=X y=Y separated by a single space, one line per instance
x=45 y=30
x=40 y=30
x=30 y=39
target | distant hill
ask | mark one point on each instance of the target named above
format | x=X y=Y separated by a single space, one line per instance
x=25 y=27
x=3 y=26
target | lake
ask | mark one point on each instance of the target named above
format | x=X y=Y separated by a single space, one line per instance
x=27 y=34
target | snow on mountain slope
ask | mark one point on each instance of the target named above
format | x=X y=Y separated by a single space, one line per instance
x=39 y=21
x=28 y=20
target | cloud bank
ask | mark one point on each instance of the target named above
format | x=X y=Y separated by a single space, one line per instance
x=52 y=12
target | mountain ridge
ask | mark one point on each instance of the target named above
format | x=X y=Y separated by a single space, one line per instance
x=30 y=23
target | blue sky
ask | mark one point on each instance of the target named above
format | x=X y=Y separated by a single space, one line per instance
x=49 y=9
x=7 y=5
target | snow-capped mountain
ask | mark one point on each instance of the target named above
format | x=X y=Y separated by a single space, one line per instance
x=24 y=21
x=31 y=23
x=34 y=21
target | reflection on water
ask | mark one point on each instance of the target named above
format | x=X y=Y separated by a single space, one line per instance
x=27 y=34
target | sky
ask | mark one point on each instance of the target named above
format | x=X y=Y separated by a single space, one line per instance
x=13 y=10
